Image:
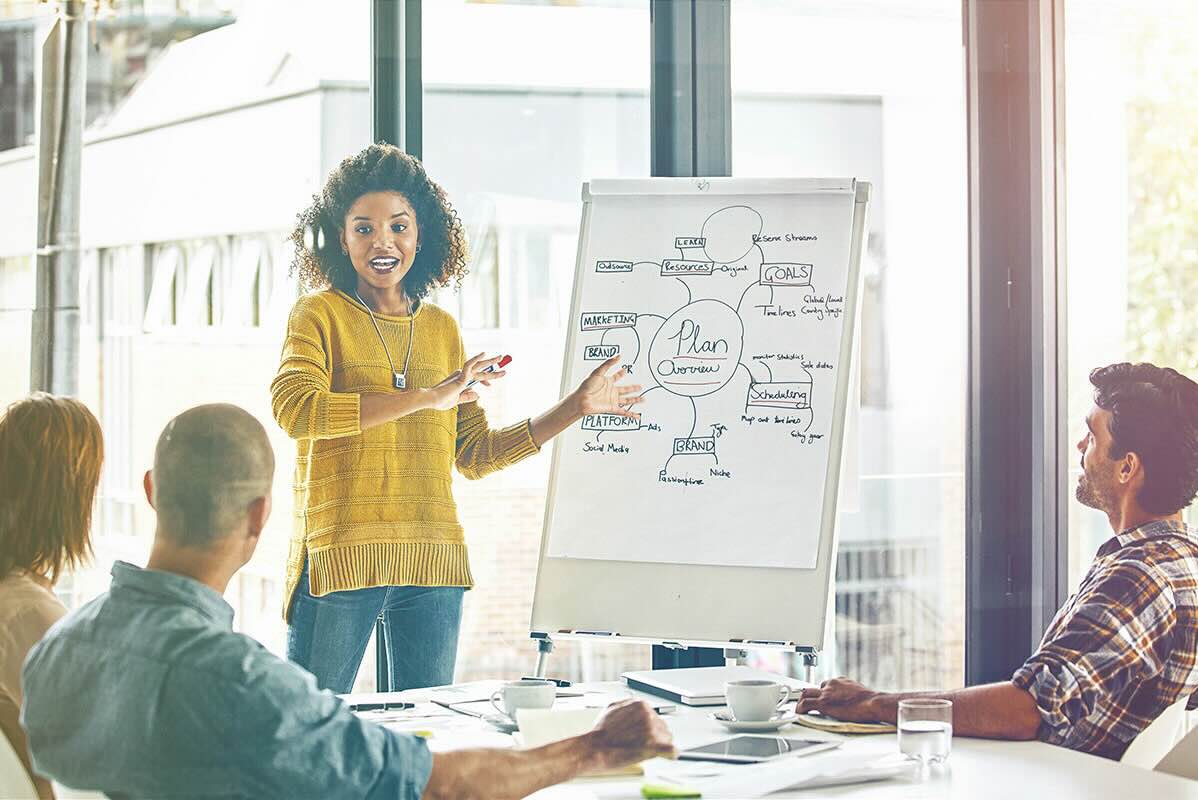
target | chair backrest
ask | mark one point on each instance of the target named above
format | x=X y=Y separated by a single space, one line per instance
x=1182 y=760
x=14 y=780
x=1159 y=738
x=67 y=793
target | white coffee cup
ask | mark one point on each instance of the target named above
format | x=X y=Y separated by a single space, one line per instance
x=524 y=694
x=755 y=700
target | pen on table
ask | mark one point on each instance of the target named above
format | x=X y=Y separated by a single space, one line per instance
x=455 y=709
x=380 y=706
x=561 y=683
x=503 y=362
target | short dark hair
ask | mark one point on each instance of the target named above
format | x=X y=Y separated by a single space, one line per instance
x=319 y=262
x=1154 y=414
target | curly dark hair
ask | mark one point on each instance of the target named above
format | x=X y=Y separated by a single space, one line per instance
x=1154 y=414
x=319 y=262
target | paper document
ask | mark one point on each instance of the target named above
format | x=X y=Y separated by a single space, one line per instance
x=832 y=725
x=563 y=793
x=541 y=726
x=759 y=780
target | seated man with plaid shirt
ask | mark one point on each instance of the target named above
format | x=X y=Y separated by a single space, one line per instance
x=1125 y=646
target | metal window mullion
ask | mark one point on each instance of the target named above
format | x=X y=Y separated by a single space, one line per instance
x=54 y=329
x=1016 y=508
x=690 y=92
x=396 y=116
x=1051 y=574
x=690 y=134
x=396 y=83
x=711 y=54
x=671 y=88
x=413 y=121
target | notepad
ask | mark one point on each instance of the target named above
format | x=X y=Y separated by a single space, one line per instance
x=828 y=724
x=541 y=726
x=759 y=780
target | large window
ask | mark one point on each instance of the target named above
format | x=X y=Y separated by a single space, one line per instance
x=1131 y=111
x=210 y=124
x=827 y=90
x=522 y=103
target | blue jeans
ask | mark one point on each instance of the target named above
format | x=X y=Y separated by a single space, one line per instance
x=328 y=635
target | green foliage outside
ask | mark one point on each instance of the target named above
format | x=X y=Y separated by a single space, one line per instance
x=1162 y=322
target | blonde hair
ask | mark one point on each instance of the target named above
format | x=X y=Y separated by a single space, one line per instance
x=51 y=449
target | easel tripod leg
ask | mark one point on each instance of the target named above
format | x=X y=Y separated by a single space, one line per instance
x=544 y=648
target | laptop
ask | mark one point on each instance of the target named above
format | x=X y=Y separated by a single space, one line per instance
x=696 y=686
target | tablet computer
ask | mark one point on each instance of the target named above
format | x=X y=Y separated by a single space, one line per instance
x=751 y=749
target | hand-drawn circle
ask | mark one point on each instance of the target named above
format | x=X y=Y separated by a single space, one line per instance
x=697 y=350
x=729 y=233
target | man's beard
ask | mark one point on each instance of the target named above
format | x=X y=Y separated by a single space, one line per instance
x=1091 y=493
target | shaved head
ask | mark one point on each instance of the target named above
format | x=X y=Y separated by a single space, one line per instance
x=210 y=464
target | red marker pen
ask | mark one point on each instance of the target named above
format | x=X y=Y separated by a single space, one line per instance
x=503 y=362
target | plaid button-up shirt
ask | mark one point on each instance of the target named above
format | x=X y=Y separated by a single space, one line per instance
x=1124 y=647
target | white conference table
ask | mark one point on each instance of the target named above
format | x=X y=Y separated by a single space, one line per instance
x=977 y=768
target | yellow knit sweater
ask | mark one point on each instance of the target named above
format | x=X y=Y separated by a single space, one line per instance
x=375 y=507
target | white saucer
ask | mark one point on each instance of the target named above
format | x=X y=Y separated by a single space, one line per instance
x=772 y=724
x=501 y=722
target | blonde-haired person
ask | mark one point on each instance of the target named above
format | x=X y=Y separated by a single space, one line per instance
x=51 y=449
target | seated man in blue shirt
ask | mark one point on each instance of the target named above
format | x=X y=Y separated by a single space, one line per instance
x=147 y=692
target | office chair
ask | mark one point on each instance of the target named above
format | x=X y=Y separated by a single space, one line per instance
x=1182 y=760
x=14 y=780
x=1158 y=739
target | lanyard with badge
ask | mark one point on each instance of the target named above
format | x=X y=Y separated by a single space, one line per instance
x=399 y=379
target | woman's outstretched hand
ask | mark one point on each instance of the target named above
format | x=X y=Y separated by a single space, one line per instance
x=601 y=393
x=455 y=390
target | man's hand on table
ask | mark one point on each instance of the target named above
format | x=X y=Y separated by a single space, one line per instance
x=843 y=699
x=998 y=710
x=627 y=733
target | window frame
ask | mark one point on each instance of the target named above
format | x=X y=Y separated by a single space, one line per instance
x=162 y=293
x=1015 y=525
x=1016 y=472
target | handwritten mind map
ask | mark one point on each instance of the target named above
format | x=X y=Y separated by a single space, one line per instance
x=730 y=314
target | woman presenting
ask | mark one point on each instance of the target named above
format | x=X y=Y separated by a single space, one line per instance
x=375 y=386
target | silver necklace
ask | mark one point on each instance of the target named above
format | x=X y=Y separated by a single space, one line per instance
x=399 y=379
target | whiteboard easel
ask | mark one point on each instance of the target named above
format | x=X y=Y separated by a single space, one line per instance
x=655 y=599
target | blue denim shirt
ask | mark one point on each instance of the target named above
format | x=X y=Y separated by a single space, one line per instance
x=147 y=692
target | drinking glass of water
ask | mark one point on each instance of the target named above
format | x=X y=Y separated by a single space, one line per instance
x=925 y=729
